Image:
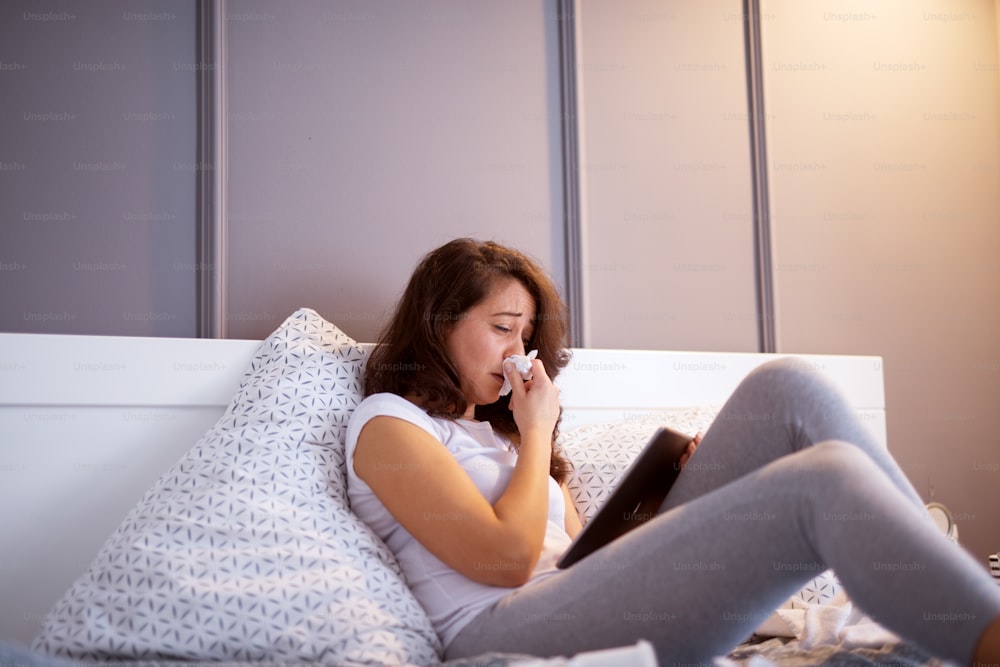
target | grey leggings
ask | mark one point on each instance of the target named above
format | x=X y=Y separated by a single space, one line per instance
x=786 y=483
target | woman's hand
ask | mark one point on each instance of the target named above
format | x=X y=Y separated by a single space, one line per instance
x=693 y=445
x=535 y=402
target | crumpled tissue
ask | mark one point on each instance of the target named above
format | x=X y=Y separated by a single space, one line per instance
x=522 y=362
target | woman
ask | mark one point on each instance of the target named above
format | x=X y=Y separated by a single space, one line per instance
x=468 y=490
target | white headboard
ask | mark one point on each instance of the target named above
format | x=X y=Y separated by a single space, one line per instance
x=88 y=423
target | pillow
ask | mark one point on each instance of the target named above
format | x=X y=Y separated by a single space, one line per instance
x=246 y=549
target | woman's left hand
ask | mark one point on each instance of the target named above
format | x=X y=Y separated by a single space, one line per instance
x=693 y=445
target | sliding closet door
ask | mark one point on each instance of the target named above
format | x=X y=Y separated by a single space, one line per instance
x=98 y=167
x=885 y=173
x=363 y=134
x=668 y=258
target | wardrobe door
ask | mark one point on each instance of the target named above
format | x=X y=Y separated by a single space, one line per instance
x=668 y=258
x=98 y=167
x=364 y=134
x=884 y=173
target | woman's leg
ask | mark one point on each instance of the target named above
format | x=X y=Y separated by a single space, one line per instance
x=781 y=407
x=698 y=579
x=701 y=577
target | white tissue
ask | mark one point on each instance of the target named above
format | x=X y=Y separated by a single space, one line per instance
x=522 y=362
x=637 y=655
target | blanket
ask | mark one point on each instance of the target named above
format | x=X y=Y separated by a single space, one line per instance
x=837 y=633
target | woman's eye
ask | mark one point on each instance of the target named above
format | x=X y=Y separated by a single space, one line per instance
x=503 y=328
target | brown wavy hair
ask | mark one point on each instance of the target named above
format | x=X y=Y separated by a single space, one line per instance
x=410 y=358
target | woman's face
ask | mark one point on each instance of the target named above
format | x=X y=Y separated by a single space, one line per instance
x=498 y=326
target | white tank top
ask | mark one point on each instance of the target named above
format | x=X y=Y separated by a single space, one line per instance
x=450 y=599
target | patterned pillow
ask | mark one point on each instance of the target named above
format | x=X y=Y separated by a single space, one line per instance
x=246 y=550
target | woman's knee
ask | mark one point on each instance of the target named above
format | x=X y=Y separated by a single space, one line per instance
x=784 y=370
x=789 y=378
x=836 y=460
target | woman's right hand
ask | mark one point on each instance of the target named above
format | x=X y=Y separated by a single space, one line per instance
x=535 y=402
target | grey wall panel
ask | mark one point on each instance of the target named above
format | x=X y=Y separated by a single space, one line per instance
x=97 y=167
x=363 y=134
x=666 y=182
x=885 y=163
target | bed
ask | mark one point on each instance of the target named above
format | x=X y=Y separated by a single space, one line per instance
x=183 y=499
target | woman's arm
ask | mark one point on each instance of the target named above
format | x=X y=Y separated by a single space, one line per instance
x=432 y=497
x=573 y=523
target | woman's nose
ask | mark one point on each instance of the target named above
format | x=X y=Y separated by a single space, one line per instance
x=516 y=348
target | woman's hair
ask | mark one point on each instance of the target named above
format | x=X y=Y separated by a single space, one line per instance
x=410 y=358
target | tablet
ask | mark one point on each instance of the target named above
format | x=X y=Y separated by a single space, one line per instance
x=637 y=496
